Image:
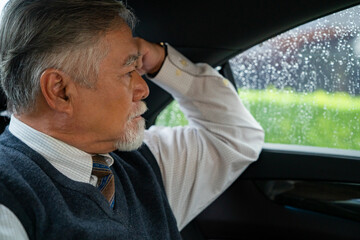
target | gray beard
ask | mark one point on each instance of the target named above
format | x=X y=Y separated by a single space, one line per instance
x=132 y=139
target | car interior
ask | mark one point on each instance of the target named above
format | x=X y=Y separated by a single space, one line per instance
x=292 y=192
x=258 y=205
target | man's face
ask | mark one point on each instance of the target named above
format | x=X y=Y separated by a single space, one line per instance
x=108 y=115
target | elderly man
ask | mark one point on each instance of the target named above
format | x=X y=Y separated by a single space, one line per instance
x=71 y=71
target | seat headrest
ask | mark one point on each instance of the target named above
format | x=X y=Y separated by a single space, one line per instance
x=2 y=101
x=4 y=119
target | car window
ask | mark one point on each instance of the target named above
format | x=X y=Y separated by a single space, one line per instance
x=302 y=86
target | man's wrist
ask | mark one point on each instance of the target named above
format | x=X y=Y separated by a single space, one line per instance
x=158 y=68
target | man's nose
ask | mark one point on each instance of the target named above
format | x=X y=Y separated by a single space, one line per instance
x=141 y=89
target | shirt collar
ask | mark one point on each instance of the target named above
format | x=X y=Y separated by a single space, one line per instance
x=70 y=161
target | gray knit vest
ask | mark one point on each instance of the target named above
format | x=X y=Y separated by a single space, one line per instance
x=52 y=206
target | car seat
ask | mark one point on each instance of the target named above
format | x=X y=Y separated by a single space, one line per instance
x=4 y=116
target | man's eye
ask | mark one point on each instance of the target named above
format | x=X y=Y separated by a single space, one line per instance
x=129 y=74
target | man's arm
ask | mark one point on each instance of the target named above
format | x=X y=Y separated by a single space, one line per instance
x=10 y=226
x=200 y=161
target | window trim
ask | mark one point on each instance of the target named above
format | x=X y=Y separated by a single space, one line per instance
x=311 y=150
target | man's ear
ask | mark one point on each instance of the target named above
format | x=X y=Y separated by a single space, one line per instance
x=55 y=86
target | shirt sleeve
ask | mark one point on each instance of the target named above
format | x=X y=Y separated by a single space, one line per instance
x=10 y=225
x=199 y=161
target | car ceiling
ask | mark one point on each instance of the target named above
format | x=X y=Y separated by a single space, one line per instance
x=213 y=31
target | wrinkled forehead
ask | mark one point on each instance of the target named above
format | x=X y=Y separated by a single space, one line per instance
x=121 y=46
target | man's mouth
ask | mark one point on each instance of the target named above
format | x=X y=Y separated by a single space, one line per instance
x=141 y=109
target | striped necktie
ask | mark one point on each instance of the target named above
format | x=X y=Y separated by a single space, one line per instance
x=106 y=182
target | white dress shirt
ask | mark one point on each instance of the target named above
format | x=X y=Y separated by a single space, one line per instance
x=197 y=162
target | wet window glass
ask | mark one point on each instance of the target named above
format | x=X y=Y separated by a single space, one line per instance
x=303 y=86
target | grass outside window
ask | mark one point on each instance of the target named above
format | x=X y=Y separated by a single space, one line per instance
x=312 y=119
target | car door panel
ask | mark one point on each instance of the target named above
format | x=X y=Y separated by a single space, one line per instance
x=262 y=202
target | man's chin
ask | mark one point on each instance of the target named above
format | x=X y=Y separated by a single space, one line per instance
x=132 y=138
x=129 y=146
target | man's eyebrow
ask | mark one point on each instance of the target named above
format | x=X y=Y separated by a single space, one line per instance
x=131 y=59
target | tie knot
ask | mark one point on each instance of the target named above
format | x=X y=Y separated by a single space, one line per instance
x=100 y=166
x=106 y=183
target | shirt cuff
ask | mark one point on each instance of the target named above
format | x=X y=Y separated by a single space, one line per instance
x=176 y=74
